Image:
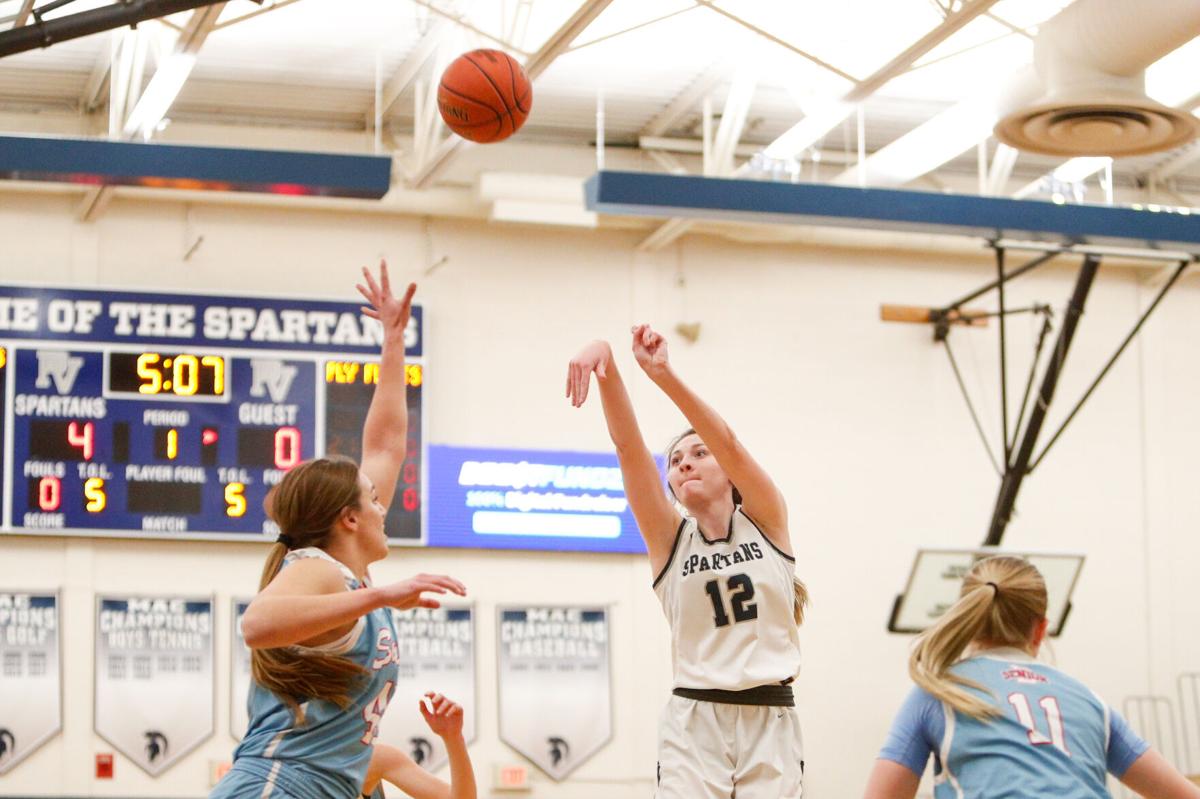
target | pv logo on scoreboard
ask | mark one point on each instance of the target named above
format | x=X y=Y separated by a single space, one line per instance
x=59 y=367
x=271 y=377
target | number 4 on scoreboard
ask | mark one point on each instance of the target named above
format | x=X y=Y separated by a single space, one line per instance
x=84 y=437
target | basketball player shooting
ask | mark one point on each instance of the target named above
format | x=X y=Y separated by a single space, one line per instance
x=725 y=575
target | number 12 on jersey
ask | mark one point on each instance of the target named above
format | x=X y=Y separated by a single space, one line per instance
x=741 y=591
x=1054 y=720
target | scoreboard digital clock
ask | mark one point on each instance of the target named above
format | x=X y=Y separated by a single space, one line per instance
x=171 y=416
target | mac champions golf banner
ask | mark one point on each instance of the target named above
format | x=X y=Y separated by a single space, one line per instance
x=30 y=688
x=437 y=653
x=239 y=674
x=554 y=685
x=154 y=676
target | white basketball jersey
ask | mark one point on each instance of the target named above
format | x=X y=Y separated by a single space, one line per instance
x=730 y=606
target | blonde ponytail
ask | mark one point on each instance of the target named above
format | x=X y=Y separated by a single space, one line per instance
x=1002 y=600
x=801 y=600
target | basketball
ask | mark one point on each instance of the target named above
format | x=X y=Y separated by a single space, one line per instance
x=484 y=96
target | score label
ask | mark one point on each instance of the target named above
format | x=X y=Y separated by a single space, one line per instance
x=116 y=435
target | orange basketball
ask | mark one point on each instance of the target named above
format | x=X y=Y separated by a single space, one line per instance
x=484 y=96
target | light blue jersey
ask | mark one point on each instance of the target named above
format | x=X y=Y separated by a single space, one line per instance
x=1054 y=736
x=327 y=755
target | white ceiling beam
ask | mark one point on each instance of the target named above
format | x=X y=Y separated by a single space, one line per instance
x=686 y=100
x=928 y=146
x=814 y=126
x=561 y=39
x=905 y=60
x=1003 y=161
x=23 y=13
x=538 y=63
x=160 y=93
x=733 y=118
x=829 y=114
x=461 y=21
x=709 y=4
x=172 y=73
x=667 y=161
x=275 y=6
x=407 y=72
x=1075 y=170
x=1177 y=163
x=93 y=91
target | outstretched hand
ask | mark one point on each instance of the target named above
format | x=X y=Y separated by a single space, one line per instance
x=391 y=311
x=410 y=593
x=444 y=717
x=649 y=348
x=592 y=358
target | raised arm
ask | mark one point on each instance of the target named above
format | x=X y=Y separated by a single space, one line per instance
x=656 y=517
x=391 y=764
x=761 y=499
x=307 y=603
x=385 y=431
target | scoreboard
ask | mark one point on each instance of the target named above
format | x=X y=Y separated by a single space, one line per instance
x=171 y=416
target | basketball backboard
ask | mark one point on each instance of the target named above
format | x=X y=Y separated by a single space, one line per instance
x=937 y=575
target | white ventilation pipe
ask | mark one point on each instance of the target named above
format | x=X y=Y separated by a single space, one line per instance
x=1091 y=60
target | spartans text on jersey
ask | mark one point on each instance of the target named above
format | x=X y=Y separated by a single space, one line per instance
x=717 y=561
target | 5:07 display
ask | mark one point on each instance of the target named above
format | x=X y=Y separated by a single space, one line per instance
x=164 y=375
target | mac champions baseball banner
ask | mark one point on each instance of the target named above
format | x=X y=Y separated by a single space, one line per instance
x=30 y=687
x=239 y=674
x=154 y=676
x=437 y=653
x=554 y=684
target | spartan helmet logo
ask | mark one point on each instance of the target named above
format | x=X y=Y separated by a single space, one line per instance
x=156 y=745
x=8 y=744
x=422 y=750
x=559 y=750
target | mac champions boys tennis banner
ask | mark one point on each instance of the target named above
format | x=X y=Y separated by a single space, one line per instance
x=437 y=653
x=154 y=676
x=239 y=674
x=554 y=685
x=30 y=688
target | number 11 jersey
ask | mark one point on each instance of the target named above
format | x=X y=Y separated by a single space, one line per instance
x=730 y=605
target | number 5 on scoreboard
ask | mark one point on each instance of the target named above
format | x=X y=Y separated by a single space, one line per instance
x=94 y=496
x=235 y=500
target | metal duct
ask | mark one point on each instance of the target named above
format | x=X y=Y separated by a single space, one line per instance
x=1091 y=60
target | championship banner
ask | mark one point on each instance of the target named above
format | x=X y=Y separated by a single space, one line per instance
x=154 y=676
x=239 y=674
x=554 y=684
x=437 y=653
x=30 y=687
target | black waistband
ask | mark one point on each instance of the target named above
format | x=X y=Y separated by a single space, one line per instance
x=774 y=695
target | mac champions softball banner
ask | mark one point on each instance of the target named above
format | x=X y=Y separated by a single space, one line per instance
x=554 y=684
x=154 y=676
x=239 y=675
x=30 y=688
x=437 y=653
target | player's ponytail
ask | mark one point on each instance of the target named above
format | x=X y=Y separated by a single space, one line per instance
x=800 y=602
x=305 y=505
x=1001 y=601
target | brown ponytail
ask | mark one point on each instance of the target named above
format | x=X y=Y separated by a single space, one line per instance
x=305 y=505
x=1001 y=601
